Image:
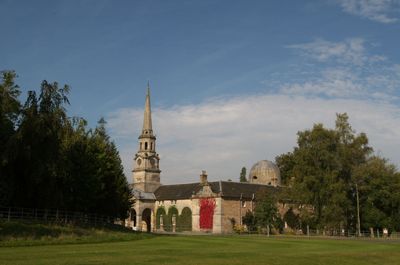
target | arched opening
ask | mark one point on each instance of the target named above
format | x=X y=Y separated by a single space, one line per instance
x=151 y=146
x=160 y=211
x=171 y=217
x=146 y=220
x=133 y=217
x=184 y=222
x=145 y=146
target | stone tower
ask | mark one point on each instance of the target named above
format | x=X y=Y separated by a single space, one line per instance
x=146 y=169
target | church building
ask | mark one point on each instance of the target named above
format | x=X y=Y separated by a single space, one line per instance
x=204 y=206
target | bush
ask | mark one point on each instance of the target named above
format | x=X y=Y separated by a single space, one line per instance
x=184 y=221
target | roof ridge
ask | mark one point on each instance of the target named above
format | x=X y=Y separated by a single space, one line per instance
x=163 y=185
x=246 y=183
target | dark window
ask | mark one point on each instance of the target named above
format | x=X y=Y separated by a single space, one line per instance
x=151 y=146
x=145 y=146
x=255 y=177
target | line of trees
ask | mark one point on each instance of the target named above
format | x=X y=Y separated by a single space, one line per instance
x=50 y=160
x=332 y=182
x=336 y=176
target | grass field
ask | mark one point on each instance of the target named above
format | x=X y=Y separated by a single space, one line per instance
x=17 y=233
x=208 y=250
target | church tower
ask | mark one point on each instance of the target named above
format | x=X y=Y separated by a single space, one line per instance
x=146 y=169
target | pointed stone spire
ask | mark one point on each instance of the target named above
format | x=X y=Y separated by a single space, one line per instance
x=147 y=125
x=146 y=168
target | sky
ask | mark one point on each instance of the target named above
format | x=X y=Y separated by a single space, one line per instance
x=232 y=82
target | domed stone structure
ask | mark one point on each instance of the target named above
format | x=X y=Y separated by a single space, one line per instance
x=265 y=172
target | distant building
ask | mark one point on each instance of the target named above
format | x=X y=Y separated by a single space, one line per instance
x=201 y=206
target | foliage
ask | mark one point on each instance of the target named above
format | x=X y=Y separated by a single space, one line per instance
x=52 y=161
x=250 y=221
x=168 y=221
x=10 y=108
x=243 y=175
x=266 y=212
x=292 y=219
x=160 y=211
x=239 y=229
x=322 y=172
x=207 y=207
x=184 y=221
x=379 y=191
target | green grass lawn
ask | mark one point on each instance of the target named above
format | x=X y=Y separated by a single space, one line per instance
x=17 y=233
x=209 y=250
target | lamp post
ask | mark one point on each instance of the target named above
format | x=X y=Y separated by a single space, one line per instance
x=358 y=212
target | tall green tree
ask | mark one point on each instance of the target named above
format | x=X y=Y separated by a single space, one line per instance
x=38 y=143
x=115 y=192
x=379 y=191
x=81 y=184
x=243 y=175
x=94 y=180
x=320 y=169
x=9 y=113
x=353 y=152
x=266 y=213
x=49 y=160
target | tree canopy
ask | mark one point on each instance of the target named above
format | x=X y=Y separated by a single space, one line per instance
x=51 y=160
x=243 y=175
x=322 y=172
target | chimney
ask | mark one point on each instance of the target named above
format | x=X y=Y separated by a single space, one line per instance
x=203 y=177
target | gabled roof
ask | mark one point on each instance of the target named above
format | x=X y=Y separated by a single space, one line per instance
x=226 y=189
x=177 y=191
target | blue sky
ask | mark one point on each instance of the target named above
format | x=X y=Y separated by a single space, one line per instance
x=232 y=81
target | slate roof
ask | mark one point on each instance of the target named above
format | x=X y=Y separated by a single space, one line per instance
x=143 y=195
x=226 y=189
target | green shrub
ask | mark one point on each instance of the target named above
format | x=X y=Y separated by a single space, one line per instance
x=184 y=221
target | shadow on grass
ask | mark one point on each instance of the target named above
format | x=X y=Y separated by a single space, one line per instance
x=13 y=234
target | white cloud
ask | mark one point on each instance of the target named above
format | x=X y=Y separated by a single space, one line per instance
x=350 y=51
x=222 y=135
x=346 y=69
x=376 y=10
x=345 y=83
x=337 y=83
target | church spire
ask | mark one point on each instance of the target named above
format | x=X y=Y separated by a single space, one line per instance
x=147 y=125
x=146 y=169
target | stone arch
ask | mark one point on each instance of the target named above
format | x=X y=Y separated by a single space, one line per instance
x=133 y=217
x=184 y=221
x=292 y=219
x=146 y=220
x=168 y=225
x=160 y=211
